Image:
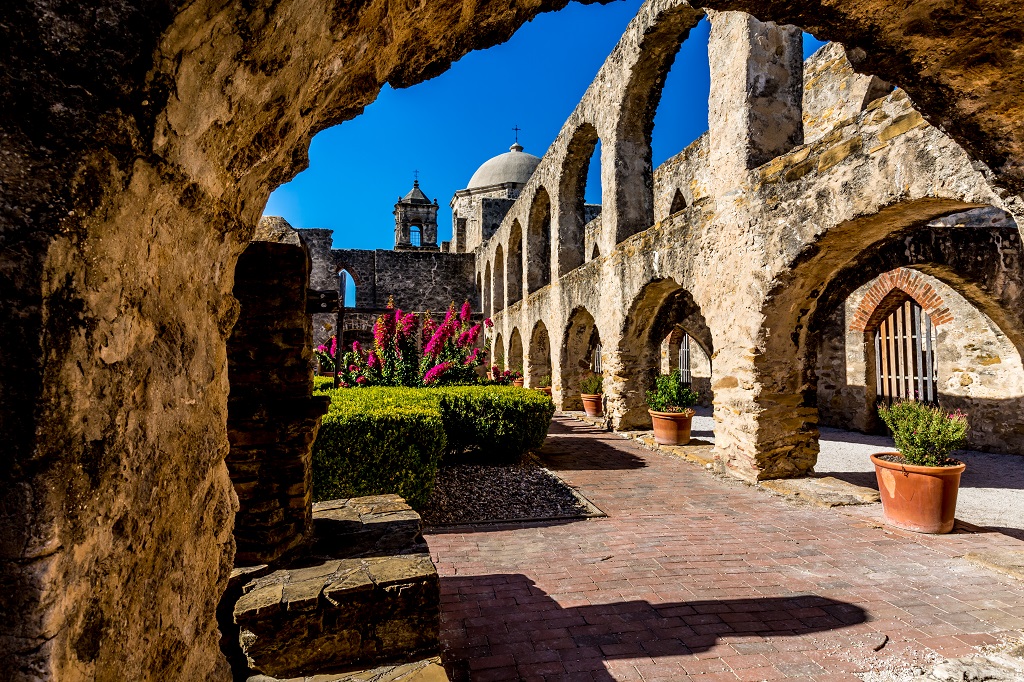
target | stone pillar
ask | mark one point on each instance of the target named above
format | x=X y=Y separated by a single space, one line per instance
x=754 y=110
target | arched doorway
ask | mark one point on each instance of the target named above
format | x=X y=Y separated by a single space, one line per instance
x=515 y=351
x=581 y=356
x=538 y=370
x=515 y=263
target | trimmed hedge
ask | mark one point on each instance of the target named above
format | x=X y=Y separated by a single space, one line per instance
x=391 y=440
x=494 y=424
x=375 y=441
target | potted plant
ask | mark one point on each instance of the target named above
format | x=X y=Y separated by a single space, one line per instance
x=517 y=378
x=592 y=388
x=670 y=405
x=919 y=484
x=544 y=385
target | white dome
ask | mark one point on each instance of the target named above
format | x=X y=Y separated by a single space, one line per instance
x=513 y=166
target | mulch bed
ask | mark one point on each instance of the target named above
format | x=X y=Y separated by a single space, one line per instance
x=471 y=493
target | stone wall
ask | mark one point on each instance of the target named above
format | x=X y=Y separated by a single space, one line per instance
x=979 y=369
x=272 y=415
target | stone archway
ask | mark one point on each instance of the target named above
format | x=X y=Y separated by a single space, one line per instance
x=571 y=190
x=499 y=281
x=581 y=341
x=498 y=352
x=538 y=242
x=514 y=271
x=978 y=328
x=487 y=290
x=515 y=351
x=680 y=350
x=659 y=307
x=539 y=356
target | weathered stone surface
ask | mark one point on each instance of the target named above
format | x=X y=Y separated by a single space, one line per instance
x=1010 y=562
x=365 y=592
x=429 y=670
x=823 y=491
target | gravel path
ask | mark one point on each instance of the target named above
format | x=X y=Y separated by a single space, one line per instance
x=991 y=488
x=468 y=493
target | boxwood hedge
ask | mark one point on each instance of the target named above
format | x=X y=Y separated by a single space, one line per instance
x=391 y=440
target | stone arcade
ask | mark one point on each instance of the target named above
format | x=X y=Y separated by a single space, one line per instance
x=139 y=145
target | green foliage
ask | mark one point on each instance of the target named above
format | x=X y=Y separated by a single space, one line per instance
x=925 y=435
x=378 y=440
x=322 y=384
x=494 y=424
x=671 y=395
x=544 y=381
x=592 y=384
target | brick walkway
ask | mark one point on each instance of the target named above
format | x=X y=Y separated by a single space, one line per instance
x=693 y=577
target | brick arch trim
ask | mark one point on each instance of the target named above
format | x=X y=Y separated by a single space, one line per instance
x=911 y=283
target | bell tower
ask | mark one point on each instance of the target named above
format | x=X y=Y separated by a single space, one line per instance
x=416 y=221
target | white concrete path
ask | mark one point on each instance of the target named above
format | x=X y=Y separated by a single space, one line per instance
x=991 y=489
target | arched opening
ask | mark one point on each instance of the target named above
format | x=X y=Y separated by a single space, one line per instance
x=678 y=203
x=632 y=206
x=538 y=370
x=538 y=242
x=415 y=235
x=347 y=289
x=572 y=198
x=921 y=333
x=515 y=351
x=498 y=352
x=581 y=346
x=515 y=263
x=499 y=280
x=595 y=253
x=662 y=318
x=487 y=290
x=681 y=114
x=681 y=351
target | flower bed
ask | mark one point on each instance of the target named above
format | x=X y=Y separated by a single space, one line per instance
x=380 y=440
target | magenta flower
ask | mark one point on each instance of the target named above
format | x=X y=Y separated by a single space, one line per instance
x=471 y=358
x=465 y=312
x=372 y=361
x=321 y=348
x=435 y=372
x=357 y=347
x=474 y=333
x=353 y=368
x=489 y=323
x=360 y=380
x=408 y=323
x=334 y=346
x=449 y=316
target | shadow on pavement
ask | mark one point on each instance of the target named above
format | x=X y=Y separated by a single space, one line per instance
x=566 y=448
x=505 y=621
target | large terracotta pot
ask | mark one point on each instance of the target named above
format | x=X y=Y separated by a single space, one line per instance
x=546 y=390
x=671 y=428
x=518 y=382
x=917 y=498
x=592 y=404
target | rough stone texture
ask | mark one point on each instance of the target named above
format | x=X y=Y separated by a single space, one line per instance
x=365 y=593
x=824 y=491
x=750 y=263
x=139 y=143
x=272 y=415
x=429 y=670
x=833 y=92
x=979 y=368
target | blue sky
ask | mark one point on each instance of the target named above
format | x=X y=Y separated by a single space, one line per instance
x=446 y=127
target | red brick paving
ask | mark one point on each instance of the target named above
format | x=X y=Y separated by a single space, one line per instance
x=696 y=578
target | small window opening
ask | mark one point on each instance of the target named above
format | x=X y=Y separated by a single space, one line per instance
x=414 y=235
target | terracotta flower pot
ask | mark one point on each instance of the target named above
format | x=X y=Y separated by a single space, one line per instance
x=518 y=383
x=546 y=390
x=917 y=498
x=592 y=404
x=671 y=428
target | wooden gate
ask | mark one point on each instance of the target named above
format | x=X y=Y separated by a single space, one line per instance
x=905 y=356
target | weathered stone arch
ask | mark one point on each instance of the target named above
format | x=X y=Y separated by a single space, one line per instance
x=514 y=271
x=700 y=361
x=515 y=350
x=782 y=391
x=630 y=208
x=499 y=280
x=571 y=189
x=980 y=264
x=660 y=306
x=538 y=242
x=579 y=342
x=678 y=202
x=488 y=310
x=539 y=355
x=498 y=352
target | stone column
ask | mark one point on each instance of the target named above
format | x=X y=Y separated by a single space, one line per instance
x=754 y=109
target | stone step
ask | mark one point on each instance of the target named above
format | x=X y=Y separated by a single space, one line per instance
x=363 y=594
x=429 y=670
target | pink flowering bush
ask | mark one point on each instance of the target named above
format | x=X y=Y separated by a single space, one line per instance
x=449 y=355
x=499 y=378
x=325 y=354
